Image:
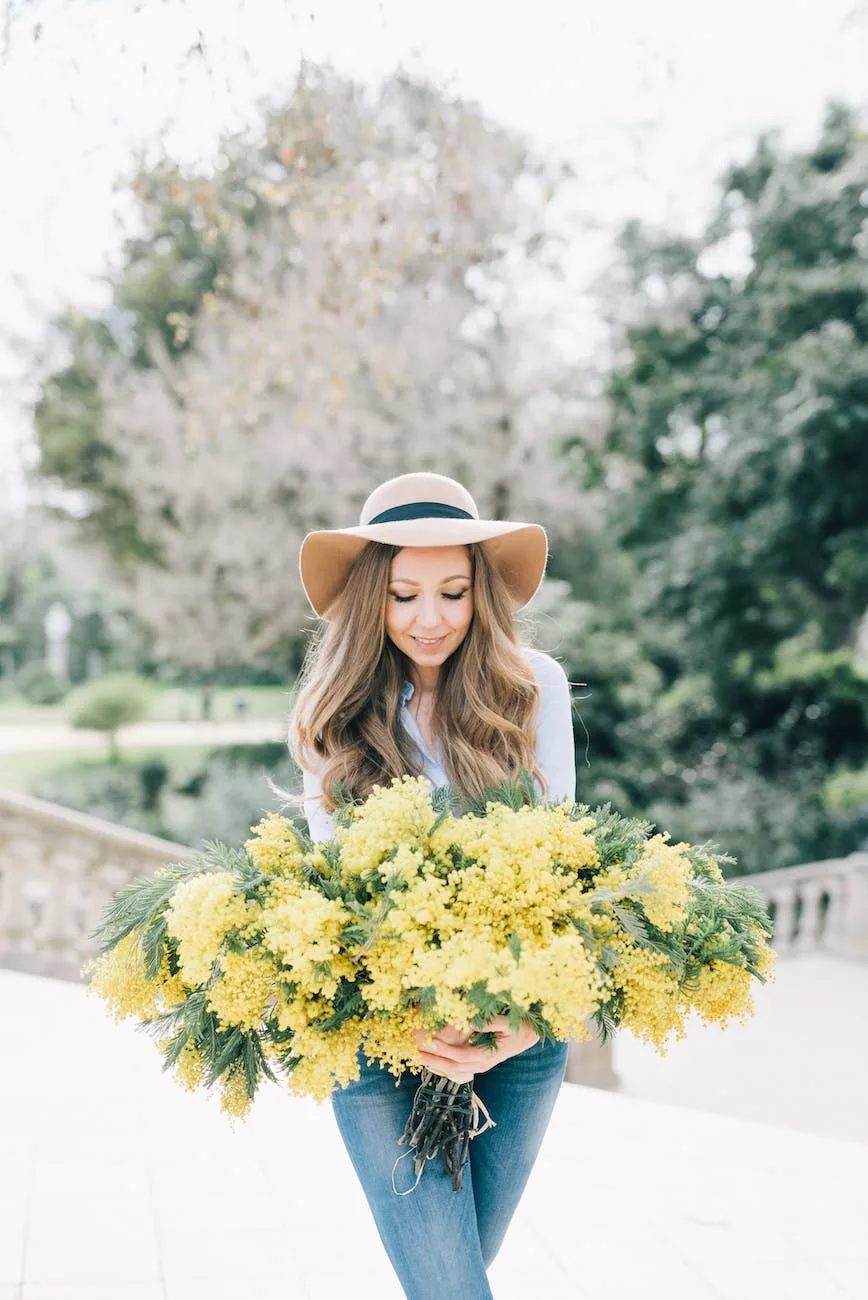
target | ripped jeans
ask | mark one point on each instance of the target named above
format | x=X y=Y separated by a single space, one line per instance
x=440 y=1241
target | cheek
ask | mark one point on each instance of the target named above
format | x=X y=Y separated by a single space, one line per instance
x=465 y=613
x=391 y=622
x=398 y=617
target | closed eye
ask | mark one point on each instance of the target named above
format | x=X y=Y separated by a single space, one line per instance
x=402 y=600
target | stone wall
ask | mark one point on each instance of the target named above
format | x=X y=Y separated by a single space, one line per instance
x=58 y=868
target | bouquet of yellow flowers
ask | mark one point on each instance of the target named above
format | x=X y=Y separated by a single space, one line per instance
x=285 y=958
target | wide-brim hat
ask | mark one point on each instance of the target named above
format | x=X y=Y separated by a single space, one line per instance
x=423 y=509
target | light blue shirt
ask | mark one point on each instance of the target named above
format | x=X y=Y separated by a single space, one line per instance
x=555 y=746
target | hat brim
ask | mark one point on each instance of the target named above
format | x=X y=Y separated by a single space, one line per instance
x=519 y=550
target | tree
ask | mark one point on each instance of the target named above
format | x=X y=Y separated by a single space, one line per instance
x=363 y=321
x=109 y=704
x=739 y=436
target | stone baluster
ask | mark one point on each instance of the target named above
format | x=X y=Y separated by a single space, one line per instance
x=16 y=919
x=56 y=934
x=591 y=1063
x=853 y=936
x=833 y=923
x=807 y=938
x=96 y=892
x=784 y=898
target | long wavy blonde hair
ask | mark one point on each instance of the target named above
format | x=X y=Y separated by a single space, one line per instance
x=345 y=722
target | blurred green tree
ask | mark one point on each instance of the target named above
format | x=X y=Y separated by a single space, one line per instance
x=107 y=705
x=737 y=458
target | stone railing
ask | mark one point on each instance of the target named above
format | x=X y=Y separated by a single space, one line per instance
x=817 y=905
x=58 y=869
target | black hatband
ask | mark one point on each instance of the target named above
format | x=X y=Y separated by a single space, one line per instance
x=420 y=510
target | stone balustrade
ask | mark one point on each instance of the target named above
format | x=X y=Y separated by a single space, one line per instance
x=58 y=868
x=817 y=905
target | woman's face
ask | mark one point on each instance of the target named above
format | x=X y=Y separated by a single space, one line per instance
x=429 y=599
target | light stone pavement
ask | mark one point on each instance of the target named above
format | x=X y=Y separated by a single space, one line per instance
x=115 y=1184
x=800 y=1061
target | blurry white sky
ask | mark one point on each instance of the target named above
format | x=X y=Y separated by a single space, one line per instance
x=650 y=99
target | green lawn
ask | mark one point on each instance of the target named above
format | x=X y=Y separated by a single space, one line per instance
x=19 y=771
x=172 y=705
x=260 y=701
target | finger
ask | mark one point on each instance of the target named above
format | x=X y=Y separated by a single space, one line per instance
x=452 y=1034
x=455 y=1053
x=424 y=1037
x=449 y=1051
x=439 y=1065
x=461 y=1053
x=470 y=1062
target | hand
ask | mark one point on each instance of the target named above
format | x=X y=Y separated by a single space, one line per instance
x=446 y=1052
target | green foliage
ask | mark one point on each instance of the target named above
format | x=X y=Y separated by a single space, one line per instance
x=112 y=791
x=747 y=414
x=846 y=792
x=739 y=438
x=153 y=776
x=766 y=822
x=618 y=837
x=171 y=795
x=228 y=799
x=106 y=705
x=40 y=686
x=515 y=795
x=142 y=902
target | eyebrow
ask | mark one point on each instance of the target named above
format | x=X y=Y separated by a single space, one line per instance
x=410 y=582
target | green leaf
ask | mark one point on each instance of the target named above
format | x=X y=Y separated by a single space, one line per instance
x=229 y=1046
x=485 y=1002
x=250 y=1061
x=514 y=1019
x=154 y=945
x=174 y=1051
x=514 y=794
x=135 y=905
x=425 y=995
x=633 y=924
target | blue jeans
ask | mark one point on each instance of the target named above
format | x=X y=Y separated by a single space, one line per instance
x=441 y=1241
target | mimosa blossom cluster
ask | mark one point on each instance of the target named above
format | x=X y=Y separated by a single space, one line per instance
x=305 y=957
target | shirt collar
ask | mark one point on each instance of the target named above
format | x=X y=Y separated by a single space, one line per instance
x=407 y=690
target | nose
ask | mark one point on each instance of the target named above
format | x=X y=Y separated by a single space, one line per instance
x=428 y=619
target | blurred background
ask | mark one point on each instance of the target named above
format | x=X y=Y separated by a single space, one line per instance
x=606 y=265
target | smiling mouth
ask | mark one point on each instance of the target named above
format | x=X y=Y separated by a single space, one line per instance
x=429 y=645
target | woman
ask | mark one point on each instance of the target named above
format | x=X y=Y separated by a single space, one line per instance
x=420 y=670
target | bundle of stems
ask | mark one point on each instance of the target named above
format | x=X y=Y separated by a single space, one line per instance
x=443 y=1120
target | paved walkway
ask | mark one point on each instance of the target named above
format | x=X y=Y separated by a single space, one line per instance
x=30 y=737
x=117 y=1185
x=801 y=1061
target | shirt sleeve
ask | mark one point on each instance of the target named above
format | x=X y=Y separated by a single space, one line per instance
x=555 y=743
x=320 y=823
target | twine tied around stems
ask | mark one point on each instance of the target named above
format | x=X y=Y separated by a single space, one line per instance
x=444 y=1117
